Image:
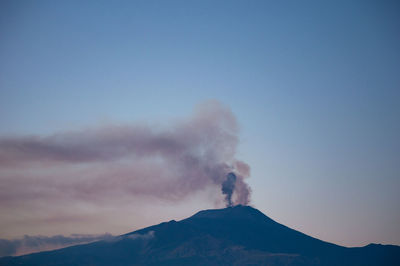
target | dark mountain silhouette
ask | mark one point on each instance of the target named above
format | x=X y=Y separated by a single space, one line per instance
x=239 y=235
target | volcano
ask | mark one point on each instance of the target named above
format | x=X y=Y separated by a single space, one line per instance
x=239 y=235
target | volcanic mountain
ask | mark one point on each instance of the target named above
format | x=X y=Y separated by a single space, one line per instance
x=239 y=235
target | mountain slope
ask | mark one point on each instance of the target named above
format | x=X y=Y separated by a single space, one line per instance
x=239 y=235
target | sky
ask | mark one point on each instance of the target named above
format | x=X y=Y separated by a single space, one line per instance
x=102 y=102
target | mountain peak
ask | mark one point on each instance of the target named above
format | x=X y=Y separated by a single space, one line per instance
x=237 y=212
x=234 y=211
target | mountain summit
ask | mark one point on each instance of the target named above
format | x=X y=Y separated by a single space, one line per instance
x=239 y=235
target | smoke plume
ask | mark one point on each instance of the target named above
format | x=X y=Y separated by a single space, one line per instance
x=228 y=186
x=115 y=163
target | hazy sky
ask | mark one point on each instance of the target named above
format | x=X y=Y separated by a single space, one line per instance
x=313 y=85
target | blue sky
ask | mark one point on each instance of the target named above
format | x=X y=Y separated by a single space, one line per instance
x=314 y=86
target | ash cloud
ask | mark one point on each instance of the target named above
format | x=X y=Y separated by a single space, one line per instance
x=29 y=244
x=120 y=161
x=228 y=187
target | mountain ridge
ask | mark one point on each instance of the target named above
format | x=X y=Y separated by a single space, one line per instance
x=238 y=235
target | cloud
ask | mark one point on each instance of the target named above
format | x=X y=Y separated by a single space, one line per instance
x=30 y=244
x=147 y=236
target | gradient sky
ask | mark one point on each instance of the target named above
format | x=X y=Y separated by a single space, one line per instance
x=314 y=86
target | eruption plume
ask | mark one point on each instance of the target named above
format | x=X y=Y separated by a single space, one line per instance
x=122 y=163
x=228 y=186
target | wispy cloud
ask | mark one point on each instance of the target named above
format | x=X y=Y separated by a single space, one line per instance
x=30 y=244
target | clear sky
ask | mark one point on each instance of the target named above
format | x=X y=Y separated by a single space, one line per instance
x=314 y=86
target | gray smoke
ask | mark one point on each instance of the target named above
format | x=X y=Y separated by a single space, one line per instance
x=101 y=165
x=228 y=187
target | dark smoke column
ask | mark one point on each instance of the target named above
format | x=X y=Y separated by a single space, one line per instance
x=228 y=186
